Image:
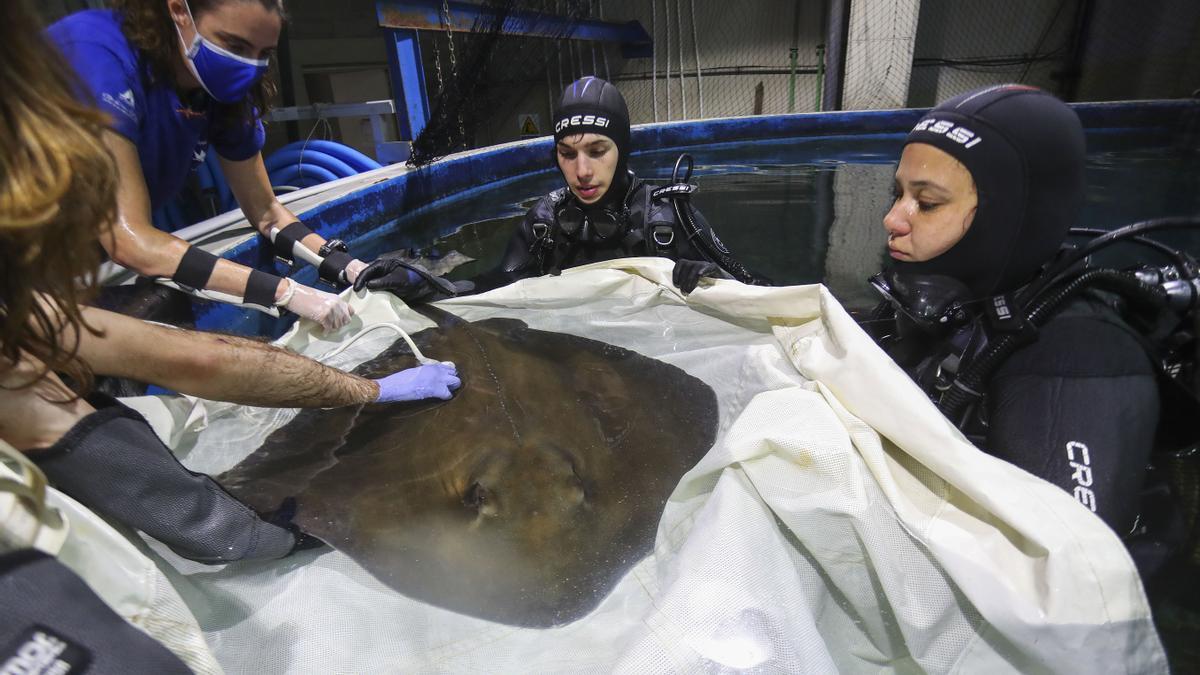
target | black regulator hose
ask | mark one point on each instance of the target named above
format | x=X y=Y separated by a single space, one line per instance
x=969 y=384
x=1178 y=260
x=1067 y=262
x=683 y=211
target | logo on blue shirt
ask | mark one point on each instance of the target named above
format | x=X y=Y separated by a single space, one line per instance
x=122 y=103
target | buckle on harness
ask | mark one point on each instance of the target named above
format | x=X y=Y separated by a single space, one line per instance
x=541 y=234
x=664 y=235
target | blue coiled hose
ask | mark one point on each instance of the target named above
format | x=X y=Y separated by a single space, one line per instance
x=358 y=161
x=296 y=165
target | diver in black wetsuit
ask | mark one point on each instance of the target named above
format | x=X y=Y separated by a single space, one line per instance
x=987 y=187
x=603 y=213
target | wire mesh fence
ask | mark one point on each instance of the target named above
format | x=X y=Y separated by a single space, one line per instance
x=966 y=44
x=704 y=59
x=720 y=60
x=712 y=58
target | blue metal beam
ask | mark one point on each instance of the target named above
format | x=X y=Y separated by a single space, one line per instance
x=426 y=15
x=408 y=82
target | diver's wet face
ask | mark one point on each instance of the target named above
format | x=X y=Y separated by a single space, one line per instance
x=588 y=162
x=935 y=204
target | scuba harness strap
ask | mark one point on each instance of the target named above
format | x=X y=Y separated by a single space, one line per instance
x=562 y=228
x=572 y=227
x=1005 y=323
x=698 y=233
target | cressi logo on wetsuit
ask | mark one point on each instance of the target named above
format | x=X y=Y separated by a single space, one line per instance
x=957 y=133
x=1081 y=474
x=581 y=121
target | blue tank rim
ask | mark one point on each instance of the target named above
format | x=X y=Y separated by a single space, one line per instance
x=351 y=215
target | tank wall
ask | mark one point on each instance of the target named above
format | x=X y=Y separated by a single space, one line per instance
x=359 y=213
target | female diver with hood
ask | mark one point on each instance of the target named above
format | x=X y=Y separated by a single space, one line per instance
x=988 y=185
x=604 y=212
x=177 y=78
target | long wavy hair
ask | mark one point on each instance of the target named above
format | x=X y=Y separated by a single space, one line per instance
x=57 y=196
x=148 y=26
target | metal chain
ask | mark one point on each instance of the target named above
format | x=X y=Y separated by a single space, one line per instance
x=462 y=131
x=437 y=64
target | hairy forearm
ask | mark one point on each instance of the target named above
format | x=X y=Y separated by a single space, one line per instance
x=216 y=366
x=255 y=373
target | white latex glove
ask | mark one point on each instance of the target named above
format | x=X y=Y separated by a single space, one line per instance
x=326 y=309
x=353 y=269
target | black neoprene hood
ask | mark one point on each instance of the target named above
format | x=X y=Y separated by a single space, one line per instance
x=1025 y=150
x=594 y=106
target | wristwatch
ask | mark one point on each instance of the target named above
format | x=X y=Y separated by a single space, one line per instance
x=332 y=245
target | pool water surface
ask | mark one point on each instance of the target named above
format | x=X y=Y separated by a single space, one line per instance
x=800 y=212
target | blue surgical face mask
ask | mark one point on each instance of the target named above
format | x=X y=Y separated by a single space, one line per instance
x=226 y=76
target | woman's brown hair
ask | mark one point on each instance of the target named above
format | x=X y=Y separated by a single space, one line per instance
x=148 y=26
x=57 y=195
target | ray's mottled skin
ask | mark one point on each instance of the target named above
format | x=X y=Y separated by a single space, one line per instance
x=523 y=499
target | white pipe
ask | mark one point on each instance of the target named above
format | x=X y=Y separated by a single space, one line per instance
x=204 y=228
x=603 y=47
x=682 y=84
x=217 y=296
x=696 y=46
x=421 y=358
x=667 y=24
x=654 y=56
x=300 y=251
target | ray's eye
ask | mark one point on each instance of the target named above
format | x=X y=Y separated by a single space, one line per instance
x=476 y=496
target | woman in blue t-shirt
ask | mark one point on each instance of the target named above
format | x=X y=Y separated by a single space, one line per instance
x=180 y=78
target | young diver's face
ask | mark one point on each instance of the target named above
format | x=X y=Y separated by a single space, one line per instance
x=588 y=162
x=247 y=29
x=935 y=204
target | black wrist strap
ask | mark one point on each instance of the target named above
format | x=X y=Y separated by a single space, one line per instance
x=333 y=266
x=195 y=268
x=260 y=289
x=287 y=238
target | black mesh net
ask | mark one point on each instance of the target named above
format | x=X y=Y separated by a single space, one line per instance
x=479 y=73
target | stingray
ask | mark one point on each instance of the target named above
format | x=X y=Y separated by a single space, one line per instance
x=522 y=500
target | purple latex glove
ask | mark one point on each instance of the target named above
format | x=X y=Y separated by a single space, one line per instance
x=435 y=380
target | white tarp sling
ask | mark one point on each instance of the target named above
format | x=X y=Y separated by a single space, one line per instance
x=839 y=523
x=111 y=565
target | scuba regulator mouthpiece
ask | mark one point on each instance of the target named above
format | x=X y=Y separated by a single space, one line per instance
x=934 y=303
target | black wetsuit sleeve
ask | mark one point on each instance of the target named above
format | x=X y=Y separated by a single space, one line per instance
x=1079 y=409
x=520 y=258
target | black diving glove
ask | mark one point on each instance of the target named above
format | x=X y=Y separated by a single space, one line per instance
x=687 y=273
x=408 y=281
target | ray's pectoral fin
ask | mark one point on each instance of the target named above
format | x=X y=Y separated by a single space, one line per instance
x=290 y=458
